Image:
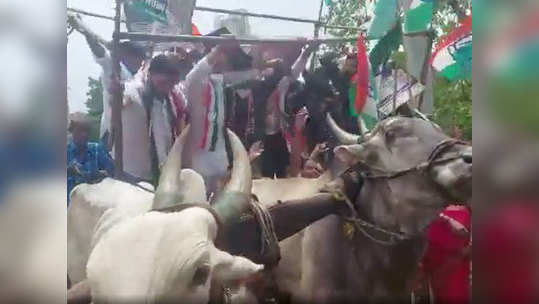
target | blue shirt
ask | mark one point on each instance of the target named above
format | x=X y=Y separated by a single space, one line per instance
x=95 y=159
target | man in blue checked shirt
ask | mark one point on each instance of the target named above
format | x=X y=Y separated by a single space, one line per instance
x=87 y=162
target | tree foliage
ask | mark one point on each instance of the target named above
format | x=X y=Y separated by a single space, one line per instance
x=94 y=104
x=453 y=106
x=452 y=100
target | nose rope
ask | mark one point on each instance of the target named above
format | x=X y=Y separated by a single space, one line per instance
x=393 y=237
x=363 y=225
x=433 y=159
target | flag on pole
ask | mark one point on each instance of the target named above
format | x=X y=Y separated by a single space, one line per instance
x=142 y=14
x=369 y=111
x=453 y=56
x=363 y=94
x=383 y=49
x=362 y=75
x=418 y=16
x=385 y=18
x=159 y=17
x=194 y=30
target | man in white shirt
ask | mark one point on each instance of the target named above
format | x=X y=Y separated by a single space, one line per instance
x=148 y=116
x=225 y=65
x=131 y=57
x=270 y=102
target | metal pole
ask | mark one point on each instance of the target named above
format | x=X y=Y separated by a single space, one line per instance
x=316 y=33
x=82 y=12
x=224 y=11
x=159 y=38
x=215 y=10
x=116 y=106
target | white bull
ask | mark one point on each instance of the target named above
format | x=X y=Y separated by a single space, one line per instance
x=158 y=257
x=88 y=204
x=95 y=208
x=162 y=258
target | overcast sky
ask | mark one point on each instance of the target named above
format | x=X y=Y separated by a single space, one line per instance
x=80 y=63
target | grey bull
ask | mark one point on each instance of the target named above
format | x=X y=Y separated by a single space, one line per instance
x=410 y=170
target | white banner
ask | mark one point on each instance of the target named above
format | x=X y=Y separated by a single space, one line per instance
x=407 y=88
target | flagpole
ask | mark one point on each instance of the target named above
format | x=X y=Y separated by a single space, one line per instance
x=116 y=106
x=316 y=33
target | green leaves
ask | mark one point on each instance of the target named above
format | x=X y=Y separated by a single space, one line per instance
x=453 y=106
x=94 y=103
x=452 y=100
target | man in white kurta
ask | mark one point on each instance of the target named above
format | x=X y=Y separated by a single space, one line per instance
x=131 y=57
x=205 y=93
x=148 y=116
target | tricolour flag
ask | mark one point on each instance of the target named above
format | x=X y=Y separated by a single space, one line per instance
x=453 y=56
x=418 y=16
x=368 y=112
x=363 y=95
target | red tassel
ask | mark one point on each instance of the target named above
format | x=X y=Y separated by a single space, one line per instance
x=362 y=75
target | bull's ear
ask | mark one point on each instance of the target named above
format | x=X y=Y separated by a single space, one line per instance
x=227 y=267
x=348 y=154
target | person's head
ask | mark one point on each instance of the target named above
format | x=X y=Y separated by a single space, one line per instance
x=79 y=127
x=349 y=66
x=132 y=55
x=279 y=66
x=166 y=71
x=295 y=97
x=235 y=59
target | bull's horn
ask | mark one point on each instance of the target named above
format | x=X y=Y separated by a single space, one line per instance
x=362 y=127
x=169 y=189
x=240 y=178
x=344 y=137
x=234 y=199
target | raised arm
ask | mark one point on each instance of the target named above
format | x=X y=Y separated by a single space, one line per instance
x=203 y=69
x=301 y=61
x=96 y=43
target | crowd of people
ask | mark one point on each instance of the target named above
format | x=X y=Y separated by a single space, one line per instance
x=274 y=105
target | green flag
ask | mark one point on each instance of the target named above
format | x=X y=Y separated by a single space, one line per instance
x=383 y=49
x=418 y=17
x=385 y=18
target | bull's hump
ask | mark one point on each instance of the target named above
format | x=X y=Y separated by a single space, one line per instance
x=110 y=193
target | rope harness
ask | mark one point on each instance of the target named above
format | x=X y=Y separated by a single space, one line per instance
x=366 y=172
x=269 y=247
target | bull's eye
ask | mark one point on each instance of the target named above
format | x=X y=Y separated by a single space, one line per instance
x=201 y=275
x=390 y=136
x=372 y=158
